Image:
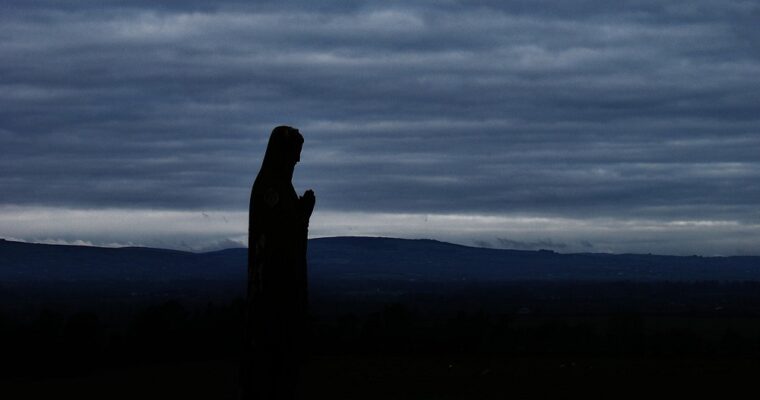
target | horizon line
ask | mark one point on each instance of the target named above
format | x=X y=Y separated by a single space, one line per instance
x=82 y=243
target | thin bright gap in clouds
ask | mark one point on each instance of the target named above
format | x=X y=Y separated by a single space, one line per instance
x=212 y=230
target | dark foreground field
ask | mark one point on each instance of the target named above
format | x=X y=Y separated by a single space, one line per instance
x=419 y=320
x=414 y=377
x=525 y=340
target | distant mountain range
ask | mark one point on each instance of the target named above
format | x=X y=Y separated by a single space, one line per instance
x=350 y=259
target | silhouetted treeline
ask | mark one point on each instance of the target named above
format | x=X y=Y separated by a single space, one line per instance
x=542 y=297
x=533 y=320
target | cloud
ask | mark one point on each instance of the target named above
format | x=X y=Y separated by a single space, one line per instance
x=190 y=230
x=638 y=110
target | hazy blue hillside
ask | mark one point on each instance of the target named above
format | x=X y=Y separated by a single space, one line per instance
x=42 y=262
x=362 y=258
x=386 y=258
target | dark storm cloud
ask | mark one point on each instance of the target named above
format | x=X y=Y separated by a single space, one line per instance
x=645 y=109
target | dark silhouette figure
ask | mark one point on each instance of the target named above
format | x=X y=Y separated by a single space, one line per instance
x=278 y=221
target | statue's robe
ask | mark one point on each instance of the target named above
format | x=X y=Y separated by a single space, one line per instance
x=277 y=278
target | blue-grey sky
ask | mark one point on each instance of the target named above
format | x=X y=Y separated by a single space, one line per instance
x=627 y=126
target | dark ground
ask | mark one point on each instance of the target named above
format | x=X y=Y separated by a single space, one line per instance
x=414 y=377
x=522 y=340
x=419 y=320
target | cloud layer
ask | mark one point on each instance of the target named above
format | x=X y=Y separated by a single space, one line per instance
x=632 y=111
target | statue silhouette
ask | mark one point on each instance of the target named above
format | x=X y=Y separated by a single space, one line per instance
x=278 y=221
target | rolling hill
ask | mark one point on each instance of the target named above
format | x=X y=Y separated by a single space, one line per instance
x=363 y=258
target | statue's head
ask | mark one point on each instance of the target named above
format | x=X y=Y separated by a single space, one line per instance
x=283 y=151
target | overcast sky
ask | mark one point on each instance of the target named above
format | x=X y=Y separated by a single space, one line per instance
x=626 y=126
